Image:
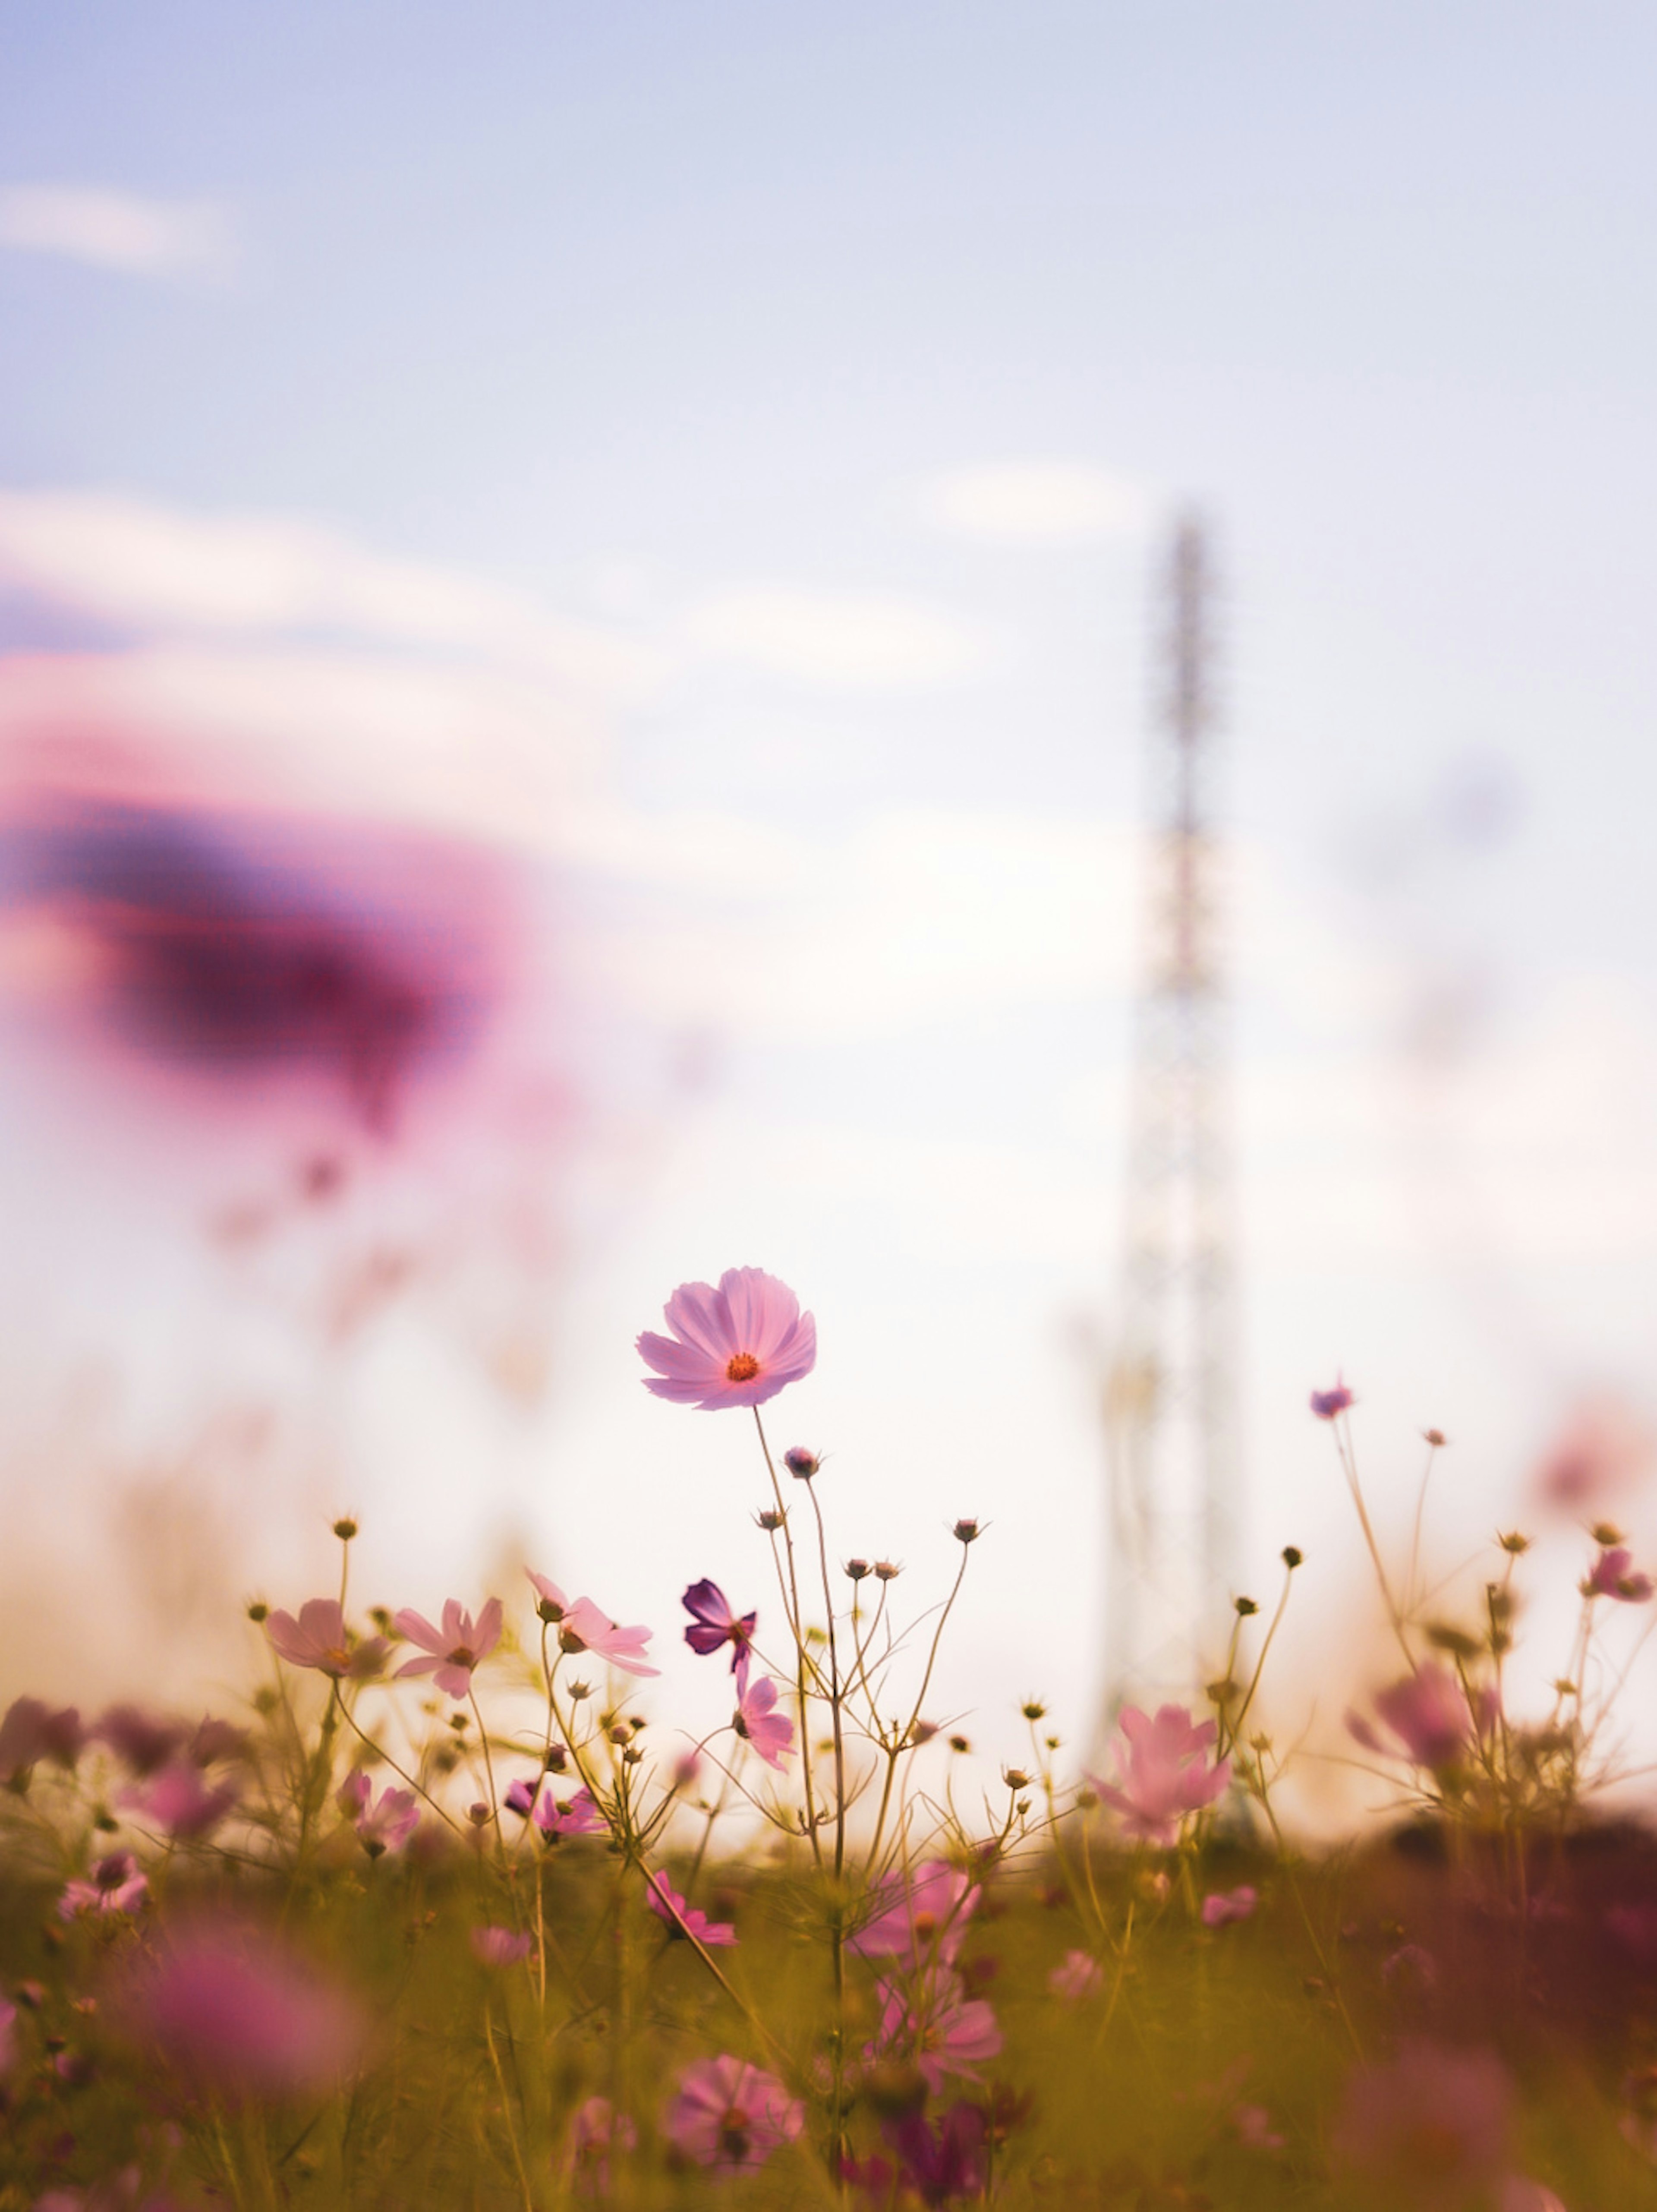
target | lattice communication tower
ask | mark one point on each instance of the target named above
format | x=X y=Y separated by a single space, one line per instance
x=1174 y=1461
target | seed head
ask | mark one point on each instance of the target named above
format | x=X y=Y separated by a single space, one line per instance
x=966 y=1531
x=345 y=1528
x=1292 y=1556
x=1244 y=1605
x=857 y=1569
x=887 y=1570
x=800 y=1463
x=259 y=1610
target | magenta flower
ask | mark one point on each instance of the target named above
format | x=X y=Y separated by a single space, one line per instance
x=1162 y=1774
x=714 y=1622
x=32 y=1731
x=1612 y=1577
x=1222 y=1906
x=771 y=1733
x=139 y=1740
x=1076 y=1977
x=737 y=1346
x=235 y=2011
x=454 y=1649
x=1426 y=1713
x=941 y=2163
x=596 y=2131
x=1430 y=2129
x=177 y=1799
x=319 y=1638
x=1327 y=1404
x=922 y=1921
x=574 y=1816
x=682 y=1919
x=116 y=1885
x=938 y=2026
x=583 y=1627
x=499 y=1946
x=731 y=2116
x=383 y=1823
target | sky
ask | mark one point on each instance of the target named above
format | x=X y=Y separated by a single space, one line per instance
x=715 y=461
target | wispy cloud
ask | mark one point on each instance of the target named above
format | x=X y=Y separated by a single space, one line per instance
x=1038 y=502
x=122 y=231
x=849 y=640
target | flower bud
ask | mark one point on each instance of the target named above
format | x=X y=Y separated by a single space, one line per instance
x=1514 y=1543
x=1244 y=1606
x=1015 y=1777
x=620 y=1735
x=556 y=1759
x=1034 y=1709
x=1292 y=1556
x=1607 y=1534
x=966 y=1531
x=857 y=1569
x=769 y=1519
x=887 y=1570
x=959 y=1743
x=923 y=1732
x=478 y=1814
x=800 y=1463
x=345 y=1528
x=1435 y=1437
x=577 y=1691
x=259 y=1610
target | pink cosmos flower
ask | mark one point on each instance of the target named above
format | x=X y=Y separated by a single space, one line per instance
x=116 y=1885
x=1254 y=2129
x=236 y=2011
x=731 y=2116
x=383 y=1823
x=1426 y=1713
x=737 y=1346
x=1222 y=1906
x=922 y=1921
x=682 y=1919
x=177 y=1799
x=583 y=1627
x=574 y=1816
x=455 y=1648
x=938 y=2163
x=771 y=1733
x=319 y=1638
x=1612 y=1577
x=1162 y=1774
x=32 y=1731
x=1076 y=1977
x=938 y=2026
x=499 y=1946
x=136 y=1738
x=1327 y=1404
x=713 y=1623
x=1430 y=2129
x=597 y=2130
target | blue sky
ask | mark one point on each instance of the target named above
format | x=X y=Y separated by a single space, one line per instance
x=680 y=356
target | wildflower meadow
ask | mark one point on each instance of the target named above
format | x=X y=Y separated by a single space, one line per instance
x=447 y=1913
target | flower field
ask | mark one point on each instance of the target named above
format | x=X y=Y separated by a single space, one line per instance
x=448 y=1915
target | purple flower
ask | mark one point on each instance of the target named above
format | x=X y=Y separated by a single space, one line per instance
x=582 y=1626
x=922 y=1921
x=1327 y=1404
x=177 y=1799
x=682 y=1919
x=454 y=1649
x=730 y=2115
x=383 y=1823
x=499 y=1946
x=1222 y=1906
x=234 y=2010
x=713 y=1623
x=1076 y=1977
x=1430 y=2130
x=736 y=1345
x=597 y=2130
x=1426 y=1713
x=1162 y=1774
x=771 y=1733
x=938 y=2026
x=116 y=1885
x=574 y=1816
x=1613 y=1578
x=32 y=1731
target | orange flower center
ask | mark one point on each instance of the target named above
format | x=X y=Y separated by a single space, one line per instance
x=336 y=1660
x=926 y=1927
x=742 y=1369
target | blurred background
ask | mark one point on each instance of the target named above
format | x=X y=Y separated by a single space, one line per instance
x=576 y=639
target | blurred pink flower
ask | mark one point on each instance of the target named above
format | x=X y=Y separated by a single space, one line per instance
x=1163 y=1773
x=383 y=1823
x=32 y=1731
x=116 y=1885
x=140 y=1740
x=454 y=1649
x=731 y=2116
x=596 y=2131
x=1603 y=1451
x=1327 y=1404
x=583 y=1627
x=177 y=1799
x=714 y=1623
x=1076 y=1977
x=1430 y=2129
x=771 y=1733
x=575 y=1816
x=1426 y=1713
x=8 y=2037
x=499 y=1946
x=1613 y=1578
x=736 y=1345
x=1255 y=2130
x=1222 y=1906
x=935 y=2023
x=1520 y=2193
x=236 y=2011
x=682 y=1919
x=319 y=1638
x=922 y=1921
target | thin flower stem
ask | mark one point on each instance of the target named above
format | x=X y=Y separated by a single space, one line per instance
x=799 y=1626
x=1349 y=1468
x=505 y=2114
x=1236 y=1733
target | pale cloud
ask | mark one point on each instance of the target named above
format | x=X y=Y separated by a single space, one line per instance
x=162 y=569
x=850 y=640
x=1038 y=504
x=122 y=231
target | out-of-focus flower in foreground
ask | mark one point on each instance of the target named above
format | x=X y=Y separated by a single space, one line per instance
x=596 y=2131
x=1077 y=1976
x=1164 y=1773
x=731 y=2115
x=1328 y=1405
x=1426 y=1713
x=771 y=1733
x=235 y=2011
x=923 y=1921
x=383 y=1823
x=1613 y=1575
x=682 y=1919
x=454 y=1649
x=736 y=1345
x=32 y=1731
x=714 y=1622
x=499 y=1946
x=178 y=1801
x=319 y=1638
x=584 y=1626
x=1222 y=1906
x=574 y=1816
x=939 y=2163
x=938 y=2025
x=1430 y=2129
x=115 y=1886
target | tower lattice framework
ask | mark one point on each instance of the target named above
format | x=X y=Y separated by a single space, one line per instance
x=1174 y=1457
